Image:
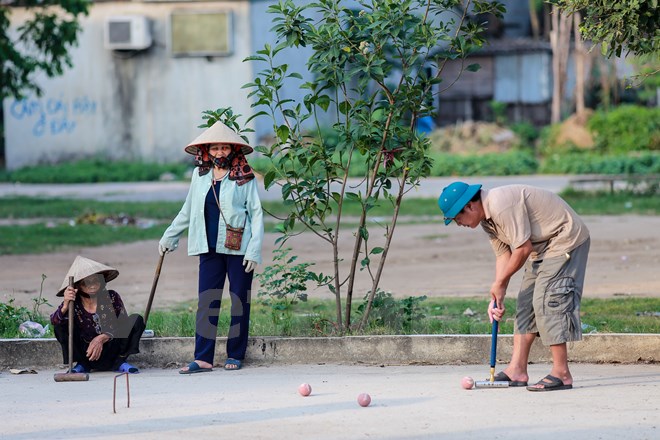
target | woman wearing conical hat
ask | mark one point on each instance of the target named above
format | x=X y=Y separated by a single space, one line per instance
x=104 y=336
x=223 y=215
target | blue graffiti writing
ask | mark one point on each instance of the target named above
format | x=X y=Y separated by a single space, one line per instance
x=52 y=116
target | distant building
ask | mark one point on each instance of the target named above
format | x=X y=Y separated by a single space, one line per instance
x=144 y=71
x=142 y=74
x=514 y=72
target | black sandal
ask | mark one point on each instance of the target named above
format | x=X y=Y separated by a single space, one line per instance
x=550 y=383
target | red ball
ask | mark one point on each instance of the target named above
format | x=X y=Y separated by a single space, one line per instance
x=305 y=389
x=467 y=382
x=364 y=399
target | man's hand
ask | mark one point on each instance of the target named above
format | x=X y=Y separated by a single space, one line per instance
x=495 y=313
x=506 y=265
x=96 y=347
x=497 y=294
x=249 y=265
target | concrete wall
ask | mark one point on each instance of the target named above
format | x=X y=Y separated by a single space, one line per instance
x=261 y=23
x=379 y=350
x=126 y=104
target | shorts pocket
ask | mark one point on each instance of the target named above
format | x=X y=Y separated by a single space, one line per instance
x=559 y=296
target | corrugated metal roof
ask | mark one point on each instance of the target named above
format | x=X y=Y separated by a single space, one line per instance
x=514 y=45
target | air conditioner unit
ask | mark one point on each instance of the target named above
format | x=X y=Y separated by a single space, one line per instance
x=127 y=32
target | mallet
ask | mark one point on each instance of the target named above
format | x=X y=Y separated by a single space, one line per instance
x=150 y=333
x=70 y=376
x=492 y=383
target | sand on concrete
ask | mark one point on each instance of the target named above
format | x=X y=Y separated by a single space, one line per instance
x=408 y=402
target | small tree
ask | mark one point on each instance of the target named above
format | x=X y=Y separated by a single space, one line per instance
x=376 y=70
x=630 y=25
x=41 y=45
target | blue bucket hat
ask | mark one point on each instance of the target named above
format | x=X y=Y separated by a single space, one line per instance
x=454 y=198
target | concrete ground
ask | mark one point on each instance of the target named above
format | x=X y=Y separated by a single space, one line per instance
x=608 y=401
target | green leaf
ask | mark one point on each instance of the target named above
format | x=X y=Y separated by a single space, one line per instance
x=283 y=133
x=269 y=178
x=473 y=67
x=254 y=58
x=260 y=113
x=323 y=101
x=377 y=250
x=263 y=150
x=352 y=196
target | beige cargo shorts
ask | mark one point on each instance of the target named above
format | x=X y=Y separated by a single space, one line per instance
x=550 y=295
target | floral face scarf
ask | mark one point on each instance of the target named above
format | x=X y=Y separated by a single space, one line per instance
x=239 y=169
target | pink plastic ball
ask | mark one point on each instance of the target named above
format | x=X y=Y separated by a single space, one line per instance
x=305 y=389
x=467 y=382
x=364 y=399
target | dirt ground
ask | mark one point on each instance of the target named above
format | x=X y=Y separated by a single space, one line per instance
x=428 y=259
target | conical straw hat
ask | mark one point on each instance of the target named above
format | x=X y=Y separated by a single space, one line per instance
x=218 y=133
x=83 y=267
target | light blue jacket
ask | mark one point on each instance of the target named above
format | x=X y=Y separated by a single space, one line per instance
x=237 y=203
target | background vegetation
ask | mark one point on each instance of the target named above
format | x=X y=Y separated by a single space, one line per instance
x=406 y=316
x=626 y=140
x=39 y=225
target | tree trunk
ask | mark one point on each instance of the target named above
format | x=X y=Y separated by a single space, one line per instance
x=604 y=83
x=546 y=22
x=580 y=108
x=560 y=34
x=371 y=182
x=388 y=242
x=534 y=20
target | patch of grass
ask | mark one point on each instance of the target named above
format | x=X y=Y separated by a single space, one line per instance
x=622 y=315
x=175 y=323
x=39 y=207
x=96 y=170
x=604 y=203
x=585 y=203
x=409 y=207
x=39 y=238
x=441 y=316
x=11 y=317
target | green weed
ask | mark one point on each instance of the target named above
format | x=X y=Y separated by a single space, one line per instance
x=430 y=316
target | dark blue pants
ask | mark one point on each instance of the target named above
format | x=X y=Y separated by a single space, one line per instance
x=213 y=270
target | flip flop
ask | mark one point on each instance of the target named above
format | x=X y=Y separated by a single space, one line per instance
x=79 y=368
x=127 y=368
x=193 y=368
x=233 y=364
x=550 y=383
x=503 y=377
